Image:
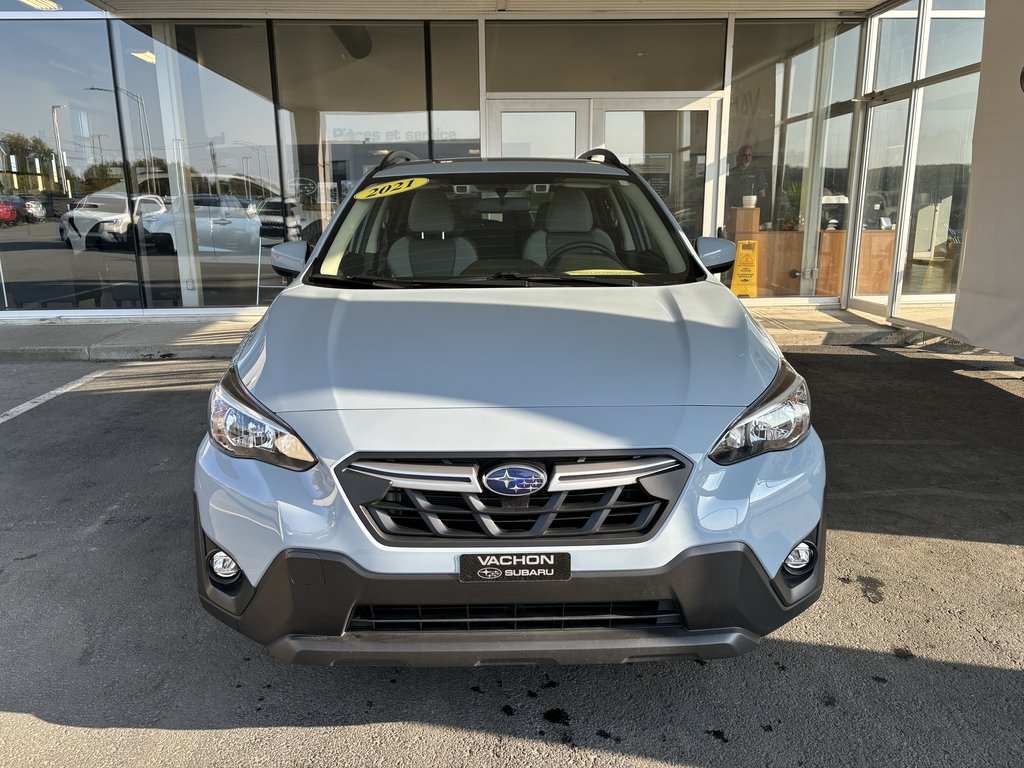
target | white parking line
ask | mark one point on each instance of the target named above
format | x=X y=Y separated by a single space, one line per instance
x=29 y=405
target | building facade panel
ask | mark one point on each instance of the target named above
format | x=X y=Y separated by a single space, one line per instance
x=178 y=152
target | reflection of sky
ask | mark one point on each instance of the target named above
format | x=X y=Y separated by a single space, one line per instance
x=216 y=107
x=57 y=62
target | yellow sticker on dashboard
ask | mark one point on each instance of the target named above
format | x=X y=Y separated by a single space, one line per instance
x=390 y=188
x=598 y=272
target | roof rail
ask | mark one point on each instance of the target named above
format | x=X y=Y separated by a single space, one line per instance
x=394 y=158
x=607 y=157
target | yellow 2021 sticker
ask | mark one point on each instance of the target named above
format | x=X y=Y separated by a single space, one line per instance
x=390 y=188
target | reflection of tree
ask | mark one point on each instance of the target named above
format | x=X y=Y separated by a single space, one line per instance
x=100 y=176
x=152 y=163
x=24 y=149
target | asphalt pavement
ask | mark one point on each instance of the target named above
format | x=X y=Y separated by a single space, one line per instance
x=912 y=657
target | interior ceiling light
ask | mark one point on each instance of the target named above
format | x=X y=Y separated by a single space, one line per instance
x=42 y=5
x=147 y=56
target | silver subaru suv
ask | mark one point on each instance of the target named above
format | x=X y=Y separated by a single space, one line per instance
x=505 y=413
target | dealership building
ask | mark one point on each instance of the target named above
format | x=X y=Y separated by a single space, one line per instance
x=865 y=155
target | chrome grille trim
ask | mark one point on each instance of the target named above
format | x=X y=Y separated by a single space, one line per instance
x=424 y=477
x=577 y=477
x=564 y=477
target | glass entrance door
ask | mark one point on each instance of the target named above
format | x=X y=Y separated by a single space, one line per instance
x=672 y=143
x=538 y=127
x=672 y=146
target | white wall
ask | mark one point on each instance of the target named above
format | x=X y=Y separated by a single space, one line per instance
x=990 y=299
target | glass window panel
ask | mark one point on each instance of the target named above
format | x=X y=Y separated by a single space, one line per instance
x=803 y=82
x=59 y=146
x=845 y=63
x=199 y=123
x=455 y=88
x=938 y=203
x=958 y=5
x=538 y=134
x=880 y=213
x=782 y=147
x=953 y=43
x=47 y=5
x=895 y=52
x=350 y=93
x=564 y=56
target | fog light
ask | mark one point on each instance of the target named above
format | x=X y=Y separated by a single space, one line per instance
x=223 y=566
x=800 y=558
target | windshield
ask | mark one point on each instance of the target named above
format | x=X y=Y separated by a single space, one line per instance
x=513 y=230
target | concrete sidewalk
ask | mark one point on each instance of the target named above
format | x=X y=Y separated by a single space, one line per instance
x=170 y=338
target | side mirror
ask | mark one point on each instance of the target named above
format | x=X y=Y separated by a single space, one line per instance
x=716 y=254
x=288 y=259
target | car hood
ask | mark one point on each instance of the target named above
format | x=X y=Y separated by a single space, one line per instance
x=321 y=349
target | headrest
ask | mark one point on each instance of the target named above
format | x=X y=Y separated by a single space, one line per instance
x=569 y=212
x=431 y=212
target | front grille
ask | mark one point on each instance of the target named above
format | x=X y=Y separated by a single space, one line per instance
x=515 y=616
x=568 y=513
x=585 y=499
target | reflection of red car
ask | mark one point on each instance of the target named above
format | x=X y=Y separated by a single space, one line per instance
x=8 y=214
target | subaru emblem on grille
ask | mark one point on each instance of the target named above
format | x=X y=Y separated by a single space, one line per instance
x=515 y=480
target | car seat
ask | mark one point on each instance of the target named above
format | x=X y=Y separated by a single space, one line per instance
x=567 y=220
x=431 y=249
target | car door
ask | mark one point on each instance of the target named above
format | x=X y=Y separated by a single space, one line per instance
x=232 y=228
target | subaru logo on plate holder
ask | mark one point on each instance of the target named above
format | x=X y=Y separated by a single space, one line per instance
x=515 y=480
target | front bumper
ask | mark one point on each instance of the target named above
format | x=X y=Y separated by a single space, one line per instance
x=302 y=606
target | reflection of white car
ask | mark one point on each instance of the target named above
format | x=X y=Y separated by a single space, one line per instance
x=223 y=226
x=103 y=219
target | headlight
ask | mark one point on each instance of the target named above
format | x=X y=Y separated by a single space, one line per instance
x=242 y=427
x=112 y=226
x=780 y=419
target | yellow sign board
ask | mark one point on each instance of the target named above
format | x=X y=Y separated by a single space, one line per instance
x=744 y=271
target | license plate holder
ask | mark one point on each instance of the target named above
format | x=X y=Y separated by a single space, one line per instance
x=515 y=567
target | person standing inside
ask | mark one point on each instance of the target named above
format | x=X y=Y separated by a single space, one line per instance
x=745 y=179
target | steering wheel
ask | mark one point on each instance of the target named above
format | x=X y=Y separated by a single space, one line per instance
x=576 y=245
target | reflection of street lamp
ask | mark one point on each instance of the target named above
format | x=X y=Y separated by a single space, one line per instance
x=260 y=151
x=65 y=187
x=147 y=143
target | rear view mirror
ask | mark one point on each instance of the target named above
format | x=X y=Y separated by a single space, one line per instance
x=716 y=254
x=288 y=259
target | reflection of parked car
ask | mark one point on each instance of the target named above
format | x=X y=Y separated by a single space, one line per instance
x=28 y=207
x=34 y=208
x=8 y=213
x=223 y=226
x=102 y=219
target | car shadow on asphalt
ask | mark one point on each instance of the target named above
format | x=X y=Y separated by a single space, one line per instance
x=918 y=449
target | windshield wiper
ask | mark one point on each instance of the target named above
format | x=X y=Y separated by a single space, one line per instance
x=361 y=281
x=578 y=279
